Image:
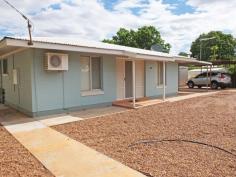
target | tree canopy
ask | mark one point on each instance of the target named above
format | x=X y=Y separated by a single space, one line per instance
x=184 y=54
x=220 y=46
x=143 y=38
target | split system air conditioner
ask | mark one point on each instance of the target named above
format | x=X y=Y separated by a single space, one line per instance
x=56 y=62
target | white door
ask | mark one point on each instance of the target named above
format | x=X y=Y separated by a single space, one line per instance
x=139 y=79
x=128 y=79
x=120 y=78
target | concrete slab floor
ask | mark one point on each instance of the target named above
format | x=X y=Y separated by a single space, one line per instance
x=79 y=115
x=172 y=99
x=58 y=120
x=184 y=97
x=10 y=116
x=98 y=112
x=2 y=107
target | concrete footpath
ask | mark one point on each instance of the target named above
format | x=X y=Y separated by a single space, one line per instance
x=193 y=95
x=63 y=156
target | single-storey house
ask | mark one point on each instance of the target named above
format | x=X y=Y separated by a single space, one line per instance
x=57 y=75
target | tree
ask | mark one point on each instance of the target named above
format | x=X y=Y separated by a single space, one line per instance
x=143 y=38
x=220 y=45
x=123 y=37
x=184 y=54
x=214 y=49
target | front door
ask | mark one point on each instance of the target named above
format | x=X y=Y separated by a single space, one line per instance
x=128 y=79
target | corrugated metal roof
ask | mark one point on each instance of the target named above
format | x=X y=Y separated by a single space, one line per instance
x=93 y=44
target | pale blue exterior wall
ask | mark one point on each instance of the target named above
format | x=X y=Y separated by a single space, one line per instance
x=19 y=96
x=152 y=90
x=42 y=92
x=61 y=90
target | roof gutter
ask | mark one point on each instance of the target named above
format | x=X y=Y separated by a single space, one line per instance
x=155 y=58
x=185 y=60
x=3 y=43
x=56 y=46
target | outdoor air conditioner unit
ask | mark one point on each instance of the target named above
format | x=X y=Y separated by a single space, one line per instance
x=56 y=62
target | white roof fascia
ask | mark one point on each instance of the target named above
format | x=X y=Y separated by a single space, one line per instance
x=3 y=43
x=130 y=54
x=190 y=60
x=136 y=56
x=44 y=45
x=154 y=58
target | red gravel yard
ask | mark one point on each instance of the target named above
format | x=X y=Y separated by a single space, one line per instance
x=202 y=132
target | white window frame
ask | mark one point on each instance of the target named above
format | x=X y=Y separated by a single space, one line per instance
x=2 y=65
x=91 y=91
x=160 y=76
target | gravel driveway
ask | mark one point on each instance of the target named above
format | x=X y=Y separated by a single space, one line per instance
x=209 y=119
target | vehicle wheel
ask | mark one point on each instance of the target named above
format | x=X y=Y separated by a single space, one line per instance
x=190 y=84
x=214 y=85
x=199 y=86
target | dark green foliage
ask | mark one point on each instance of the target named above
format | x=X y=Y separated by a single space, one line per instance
x=184 y=54
x=143 y=38
x=220 y=48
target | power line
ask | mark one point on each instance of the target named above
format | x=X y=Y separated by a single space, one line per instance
x=13 y=7
x=29 y=23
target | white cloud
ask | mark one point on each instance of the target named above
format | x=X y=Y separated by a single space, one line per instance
x=89 y=19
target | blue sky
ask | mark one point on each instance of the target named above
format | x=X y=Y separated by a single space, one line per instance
x=179 y=6
x=179 y=21
x=109 y=4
